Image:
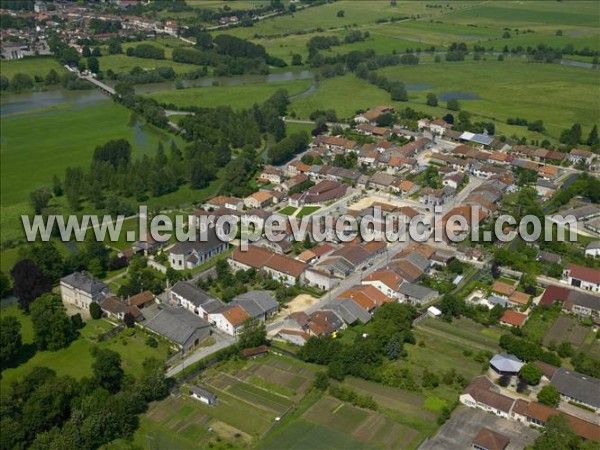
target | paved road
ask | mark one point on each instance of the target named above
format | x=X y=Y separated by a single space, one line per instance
x=222 y=341
x=312 y=122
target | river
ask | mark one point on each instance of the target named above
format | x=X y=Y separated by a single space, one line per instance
x=56 y=96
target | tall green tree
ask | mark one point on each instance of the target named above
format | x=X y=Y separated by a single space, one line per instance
x=107 y=369
x=432 y=99
x=549 y=396
x=531 y=374
x=52 y=326
x=252 y=334
x=29 y=282
x=10 y=339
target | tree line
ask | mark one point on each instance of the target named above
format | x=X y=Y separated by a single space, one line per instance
x=47 y=411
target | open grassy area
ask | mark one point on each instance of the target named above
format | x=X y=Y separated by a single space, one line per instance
x=76 y=360
x=307 y=211
x=31 y=155
x=288 y=210
x=38 y=65
x=556 y=94
x=325 y=17
x=238 y=97
x=464 y=332
x=123 y=63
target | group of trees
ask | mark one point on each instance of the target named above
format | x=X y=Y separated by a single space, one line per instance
x=383 y=339
x=23 y=82
x=148 y=51
x=288 y=147
x=527 y=350
x=45 y=411
x=573 y=137
x=137 y=75
x=228 y=55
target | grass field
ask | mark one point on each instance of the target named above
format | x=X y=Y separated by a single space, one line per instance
x=464 y=332
x=32 y=155
x=76 y=360
x=510 y=88
x=39 y=65
x=238 y=97
x=288 y=210
x=182 y=423
x=123 y=63
x=307 y=211
x=440 y=354
x=356 y=13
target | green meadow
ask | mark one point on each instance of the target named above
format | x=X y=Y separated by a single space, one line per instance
x=32 y=154
x=238 y=97
x=38 y=66
x=558 y=95
x=123 y=63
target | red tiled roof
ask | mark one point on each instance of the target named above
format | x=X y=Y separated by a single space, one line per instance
x=514 y=318
x=554 y=294
x=503 y=288
x=490 y=440
x=584 y=273
x=236 y=315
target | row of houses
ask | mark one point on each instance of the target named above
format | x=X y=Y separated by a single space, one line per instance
x=355 y=305
x=483 y=394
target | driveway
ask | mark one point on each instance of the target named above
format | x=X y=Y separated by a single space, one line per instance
x=222 y=341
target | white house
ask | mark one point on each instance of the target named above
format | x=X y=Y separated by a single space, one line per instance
x=593 y=249
x=386 y=281
x=81 y=290
x=229 y=319
x=582 y=277
x=203 y=395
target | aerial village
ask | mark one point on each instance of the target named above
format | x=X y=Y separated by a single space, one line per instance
x=346 y=283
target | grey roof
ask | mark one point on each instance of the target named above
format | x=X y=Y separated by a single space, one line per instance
x=176 y=324
x=581 y=212
x=549 y=257
x=482 y=139
x=201 y=392
x=86 y=283
x=495 y=300
x=348 y=310
x=196 y=296
x=416 y=291
x=584 y=299
x=583 y=388
x=504 y=362
x=256 y=303
x=593 y=245
x=203 y=244
x=418 y=260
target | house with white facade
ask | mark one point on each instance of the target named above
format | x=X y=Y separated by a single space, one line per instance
x=81 y=290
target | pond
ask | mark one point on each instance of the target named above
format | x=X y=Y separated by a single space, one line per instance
x=445 y=96
x=27 y=101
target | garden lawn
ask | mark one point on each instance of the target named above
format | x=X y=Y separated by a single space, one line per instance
x=76 y=360
x=461 y=331
x=307 y=211
x=238 y=97
x=288 y=210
